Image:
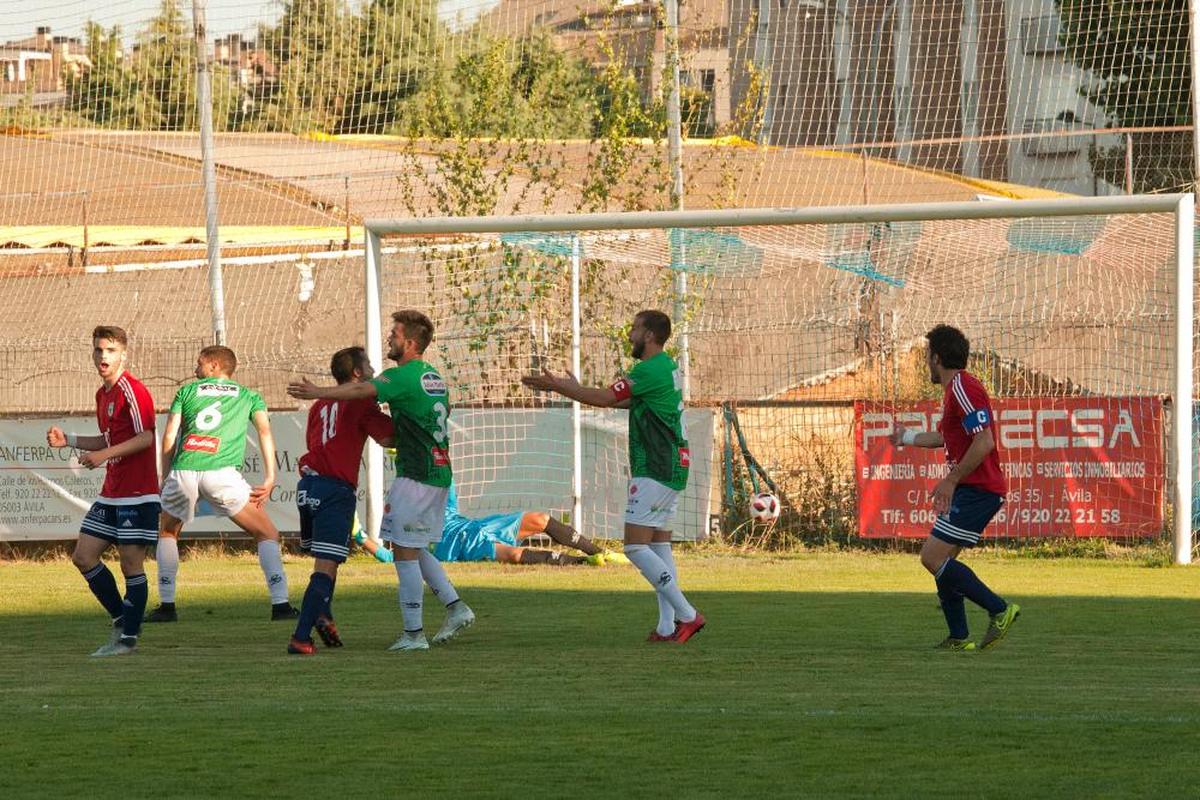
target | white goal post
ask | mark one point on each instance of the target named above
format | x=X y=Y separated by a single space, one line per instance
x=1181 y=206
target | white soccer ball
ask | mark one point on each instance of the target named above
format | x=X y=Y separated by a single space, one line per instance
x=764 y=507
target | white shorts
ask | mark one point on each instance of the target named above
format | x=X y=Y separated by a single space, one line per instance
x=650 y=504
x=225 y=489
x=414 y=513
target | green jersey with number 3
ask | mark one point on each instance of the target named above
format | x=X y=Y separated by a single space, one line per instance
x=420 y=407
x=657 y=447
x=215 y=414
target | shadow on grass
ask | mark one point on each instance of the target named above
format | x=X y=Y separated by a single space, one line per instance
x=556 y=692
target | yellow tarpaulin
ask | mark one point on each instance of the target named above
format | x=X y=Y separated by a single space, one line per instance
x=38 y=236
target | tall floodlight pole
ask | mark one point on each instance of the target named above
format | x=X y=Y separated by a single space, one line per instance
x=1194 y=61
x=216 y=286
x=675 y=158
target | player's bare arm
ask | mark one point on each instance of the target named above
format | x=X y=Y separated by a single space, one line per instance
x=57 y=437
x=266 y=441
x=97 y=457
x=170 y=434
x=981 y=445
x=911 y=437
x=568 y=386
x=304 y=389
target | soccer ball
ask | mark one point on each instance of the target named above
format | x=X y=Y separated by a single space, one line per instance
x=764 y=507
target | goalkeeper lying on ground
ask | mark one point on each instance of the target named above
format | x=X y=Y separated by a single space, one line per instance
x=499 y=538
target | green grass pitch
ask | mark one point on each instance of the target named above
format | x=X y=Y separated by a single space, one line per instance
x=814 y=678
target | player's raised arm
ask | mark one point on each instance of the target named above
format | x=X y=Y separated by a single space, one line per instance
x=911 y=437
x=266 y=442
x=569 y=387
x=57 y=437
x=304 y=389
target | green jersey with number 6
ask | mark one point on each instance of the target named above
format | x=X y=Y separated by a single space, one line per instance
x=215 y=414
x=420 y=407
x=657 y=447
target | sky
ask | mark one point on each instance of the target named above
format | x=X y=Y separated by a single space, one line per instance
x=19 y=18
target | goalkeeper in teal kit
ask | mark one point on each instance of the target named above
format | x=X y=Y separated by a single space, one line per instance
x=502 y=537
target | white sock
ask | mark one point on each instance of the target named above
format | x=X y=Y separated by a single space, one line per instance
x=435 y=575
x=655 y=571
x=412 y=591
x=271 y=562
x=166 y=553
x=666 y=612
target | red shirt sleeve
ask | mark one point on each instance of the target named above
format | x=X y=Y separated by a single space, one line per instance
x=377 y=424
x=972 y=400
x=141 y=406
x=622 y=388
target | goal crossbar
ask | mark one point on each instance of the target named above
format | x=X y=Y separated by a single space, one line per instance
x=718 y=218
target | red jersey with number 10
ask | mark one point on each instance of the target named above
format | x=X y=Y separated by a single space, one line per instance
x=967 y=411
x=123 y=412
x=337 y=431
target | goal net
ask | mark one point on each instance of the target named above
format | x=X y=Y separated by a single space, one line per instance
x=802 y=331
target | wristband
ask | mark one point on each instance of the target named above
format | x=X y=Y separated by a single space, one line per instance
x=909 y=436
x=73 y=440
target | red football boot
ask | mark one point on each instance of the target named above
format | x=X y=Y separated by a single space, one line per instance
x=328 y=632
x=299 y=648
x=687 y=630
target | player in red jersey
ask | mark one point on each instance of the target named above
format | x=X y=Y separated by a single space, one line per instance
x=969 y=496
x=126 y=513
x=326 y=493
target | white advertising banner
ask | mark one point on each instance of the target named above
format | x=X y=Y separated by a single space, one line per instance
x=504 y=460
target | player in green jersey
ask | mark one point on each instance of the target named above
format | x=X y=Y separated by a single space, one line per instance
x=658 y=462
x=419 y=403
x=203 y=446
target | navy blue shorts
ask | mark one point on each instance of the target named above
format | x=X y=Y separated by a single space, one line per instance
x=326 y=516
x=120 y=525
x=971 y=510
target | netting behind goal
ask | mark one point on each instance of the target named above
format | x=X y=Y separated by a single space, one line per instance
x=328 y=111
x=805 y=349
x=285 y=315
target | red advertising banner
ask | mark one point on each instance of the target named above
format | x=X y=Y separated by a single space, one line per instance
x=1076 y=467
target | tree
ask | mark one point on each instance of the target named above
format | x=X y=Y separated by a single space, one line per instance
x=165 y=67
x=105 y=92
x=1138 y=56
x=314 y=46
x=398 y=41
x=507 y=88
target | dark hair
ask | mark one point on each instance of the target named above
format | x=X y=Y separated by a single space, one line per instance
x=222 y=356
x=417 y=327
x=950 y=346
x=112 y=333
x=657 y=323
x=345 y=361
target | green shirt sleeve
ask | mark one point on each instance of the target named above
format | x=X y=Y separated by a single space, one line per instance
x=643 y=379
x=177 y=403
x=389 y=385
x=257 y=403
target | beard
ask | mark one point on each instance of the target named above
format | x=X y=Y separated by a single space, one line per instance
x=638 y=349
